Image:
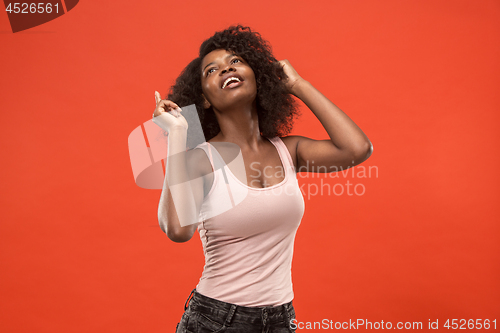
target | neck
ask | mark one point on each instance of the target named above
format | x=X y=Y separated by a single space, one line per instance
x=239 y=125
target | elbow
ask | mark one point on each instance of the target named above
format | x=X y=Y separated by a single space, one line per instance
x=368 y=150
x=177 y=237
x=362 y=152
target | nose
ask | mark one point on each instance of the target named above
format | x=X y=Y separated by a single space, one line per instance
x=228 y=68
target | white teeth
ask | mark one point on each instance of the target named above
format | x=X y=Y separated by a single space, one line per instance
x=229 y=79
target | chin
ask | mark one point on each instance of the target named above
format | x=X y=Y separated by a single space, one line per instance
x=240 y=99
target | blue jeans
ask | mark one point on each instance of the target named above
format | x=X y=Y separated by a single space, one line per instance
x=205 y=314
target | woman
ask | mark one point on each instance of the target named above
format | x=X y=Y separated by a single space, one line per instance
x=243 y=97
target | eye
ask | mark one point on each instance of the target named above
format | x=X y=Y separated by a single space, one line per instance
x=210 y=70
x=235 y=60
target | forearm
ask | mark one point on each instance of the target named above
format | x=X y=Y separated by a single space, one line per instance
x=343 y=132
x=177 y=212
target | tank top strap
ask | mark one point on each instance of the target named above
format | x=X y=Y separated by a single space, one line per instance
x=287 y=158
x=216 y=160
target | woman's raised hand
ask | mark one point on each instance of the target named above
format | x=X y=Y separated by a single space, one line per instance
x=167 y=115
x=292 y=76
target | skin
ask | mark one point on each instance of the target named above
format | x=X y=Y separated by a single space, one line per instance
x=236 y=112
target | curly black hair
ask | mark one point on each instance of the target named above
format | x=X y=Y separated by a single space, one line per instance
x=276 y=108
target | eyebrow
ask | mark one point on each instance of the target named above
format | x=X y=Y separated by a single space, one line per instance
x=228 y=56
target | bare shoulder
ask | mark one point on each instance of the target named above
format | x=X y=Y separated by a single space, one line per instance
x=198 y=162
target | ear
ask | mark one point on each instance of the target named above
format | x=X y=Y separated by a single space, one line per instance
x=206 y=103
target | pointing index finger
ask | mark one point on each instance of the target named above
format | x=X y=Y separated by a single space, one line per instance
x=157 y=97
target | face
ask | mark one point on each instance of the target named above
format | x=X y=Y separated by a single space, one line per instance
x=227 y=80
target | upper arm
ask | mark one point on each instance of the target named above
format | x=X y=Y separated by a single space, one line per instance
x=198 y=171
x=200 y=174
x=322 y=156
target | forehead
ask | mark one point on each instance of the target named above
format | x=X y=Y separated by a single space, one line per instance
x=215 y=55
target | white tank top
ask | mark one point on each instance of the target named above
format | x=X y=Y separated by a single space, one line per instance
x=249 y=246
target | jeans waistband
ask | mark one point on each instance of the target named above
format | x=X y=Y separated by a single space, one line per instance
x=214 y=303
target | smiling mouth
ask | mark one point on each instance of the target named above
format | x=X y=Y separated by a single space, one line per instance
x=231 y=81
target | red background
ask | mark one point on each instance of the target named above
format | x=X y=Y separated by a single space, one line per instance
x=80 y=246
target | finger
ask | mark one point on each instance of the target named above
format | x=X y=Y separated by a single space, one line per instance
x=157 y=97
x=173 y=113
x=177 y=112
x=168 y=103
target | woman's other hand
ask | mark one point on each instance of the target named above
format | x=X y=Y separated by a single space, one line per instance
x=293 y=78
x=168 y=116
